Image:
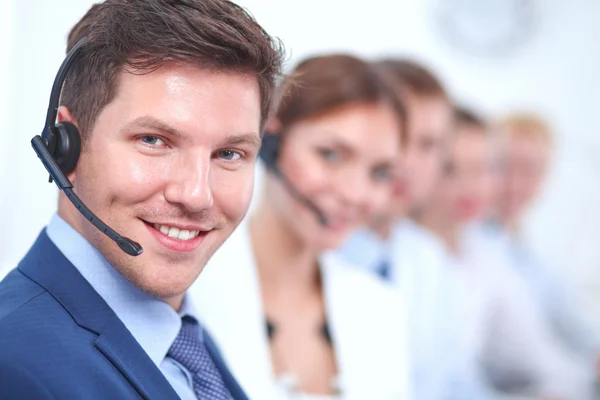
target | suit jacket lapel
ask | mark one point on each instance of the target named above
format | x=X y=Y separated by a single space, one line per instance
x=336 y=307
x=365 y=326
x=120 y=347
x=345 y=313
x=234 y=388
x=47 y=266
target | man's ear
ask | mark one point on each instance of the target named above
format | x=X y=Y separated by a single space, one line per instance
x=65 y=115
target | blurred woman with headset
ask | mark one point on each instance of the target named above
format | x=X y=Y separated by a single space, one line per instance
x=292 y=321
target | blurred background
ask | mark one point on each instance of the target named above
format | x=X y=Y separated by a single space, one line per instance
x=494 y=56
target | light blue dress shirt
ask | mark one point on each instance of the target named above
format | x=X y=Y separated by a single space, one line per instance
x=152 y=322
x=554 y=292
x=368 y=251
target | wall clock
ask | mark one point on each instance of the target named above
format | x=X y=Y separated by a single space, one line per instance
x=485 y=27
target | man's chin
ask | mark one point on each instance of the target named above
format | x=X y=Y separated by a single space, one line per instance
x=163 y=281
x=332 y=241
x=166 y=289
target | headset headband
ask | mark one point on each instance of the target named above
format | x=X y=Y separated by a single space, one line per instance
x=59 y=80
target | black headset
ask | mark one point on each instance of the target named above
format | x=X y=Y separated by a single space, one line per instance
x=269 y=153
x=59 y=148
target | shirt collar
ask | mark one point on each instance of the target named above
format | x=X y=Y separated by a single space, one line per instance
x=152 y=322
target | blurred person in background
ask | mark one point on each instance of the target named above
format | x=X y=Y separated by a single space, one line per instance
x=293 y=321
x=527 y=152
x=503 y=337
x=410 y=258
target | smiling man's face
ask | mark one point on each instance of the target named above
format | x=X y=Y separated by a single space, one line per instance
x=169 y=163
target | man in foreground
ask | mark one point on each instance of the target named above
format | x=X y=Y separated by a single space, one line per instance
x=169 y=99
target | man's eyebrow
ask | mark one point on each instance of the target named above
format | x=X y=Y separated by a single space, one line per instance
x=153 y=124
x=338 y=143
x=156 y=125
x=343 y=145
x=252 y=139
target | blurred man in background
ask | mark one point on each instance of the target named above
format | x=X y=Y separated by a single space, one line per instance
x=501 y=335
x=527 y=146
x=429 y=124
x=409 y=257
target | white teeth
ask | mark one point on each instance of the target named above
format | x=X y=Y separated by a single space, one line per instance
x=176 y=233
x=184 y=235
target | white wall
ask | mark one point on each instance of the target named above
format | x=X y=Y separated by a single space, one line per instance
x=36 y=50
x=6 y=72
x=555 y=72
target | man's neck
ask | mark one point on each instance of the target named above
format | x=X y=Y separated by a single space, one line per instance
x=511 y=225
x=175 y=302
x=447 y=231
x=382 y=228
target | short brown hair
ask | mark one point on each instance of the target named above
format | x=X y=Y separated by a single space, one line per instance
x=465 y=116
x=321 y=84
x=144 y=34
x=413 y=77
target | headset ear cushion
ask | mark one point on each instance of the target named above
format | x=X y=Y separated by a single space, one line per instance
x=68 y=146
x=269 y=150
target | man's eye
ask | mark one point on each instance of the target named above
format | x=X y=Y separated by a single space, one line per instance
x=330 y=155
x=229 y=155
x=152 y=140
x=382 y=174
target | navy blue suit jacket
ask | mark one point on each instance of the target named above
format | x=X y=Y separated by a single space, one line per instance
x=60 y=340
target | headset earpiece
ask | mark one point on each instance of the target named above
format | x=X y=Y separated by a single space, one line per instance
x=269 y=153
x=67 y=146
x=269 y=149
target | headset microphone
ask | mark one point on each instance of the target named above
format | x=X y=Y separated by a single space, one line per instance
x=59 y=147
x=269 y=153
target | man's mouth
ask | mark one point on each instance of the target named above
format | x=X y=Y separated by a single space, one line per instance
x=178 y=237
x=340 y=223
x=176 y=233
